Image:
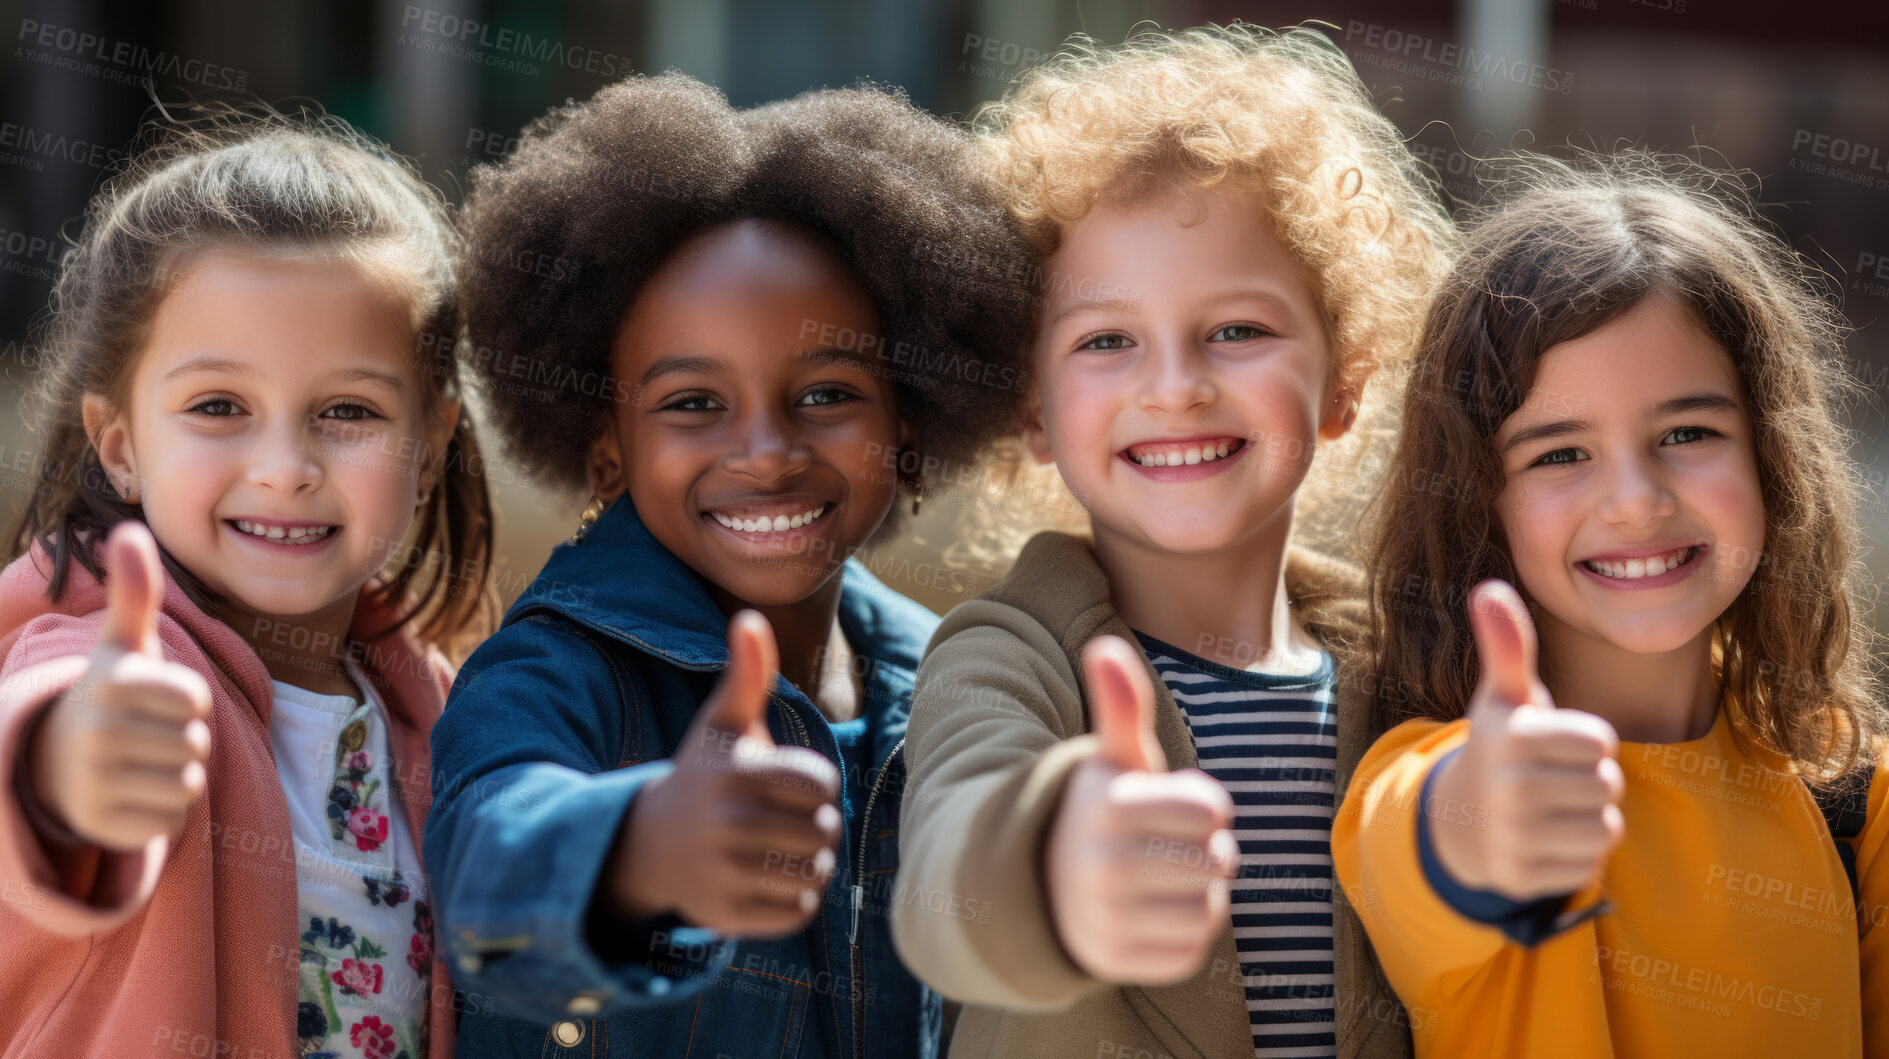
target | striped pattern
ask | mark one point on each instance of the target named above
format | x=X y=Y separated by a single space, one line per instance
x=1272 y=740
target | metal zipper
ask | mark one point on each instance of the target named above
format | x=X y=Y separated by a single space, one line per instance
x=859 y=899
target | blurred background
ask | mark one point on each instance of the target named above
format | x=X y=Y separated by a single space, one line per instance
x=1796 y=93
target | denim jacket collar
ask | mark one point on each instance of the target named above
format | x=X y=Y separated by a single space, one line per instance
x=620 y=581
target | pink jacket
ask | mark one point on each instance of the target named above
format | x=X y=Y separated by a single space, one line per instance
x=187 y=949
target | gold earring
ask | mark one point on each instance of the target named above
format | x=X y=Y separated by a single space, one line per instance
x=592 y=511
x=918 y=494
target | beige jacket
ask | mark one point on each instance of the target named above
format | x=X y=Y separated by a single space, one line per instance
x=997 y=723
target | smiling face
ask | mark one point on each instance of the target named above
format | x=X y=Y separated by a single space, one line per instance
x=274 y=431
x=1632 y=505
x=756 y=452
x=1183 y=371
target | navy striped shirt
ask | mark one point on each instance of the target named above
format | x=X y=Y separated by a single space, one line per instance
x=1273 y=741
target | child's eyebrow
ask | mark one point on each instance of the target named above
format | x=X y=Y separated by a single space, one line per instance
x=237 y=367
x=680 y=364
x=1246 y=294
x=365 y=375
x=1543 y=431
x=857 y=358
x=1692 y=402
x=196 y=364
x=1084 y=305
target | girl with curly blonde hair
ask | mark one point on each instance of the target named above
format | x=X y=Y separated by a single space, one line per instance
x=1234 y=246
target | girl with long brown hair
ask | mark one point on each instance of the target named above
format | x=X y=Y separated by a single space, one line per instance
x=1620 y=842
x=256 y=529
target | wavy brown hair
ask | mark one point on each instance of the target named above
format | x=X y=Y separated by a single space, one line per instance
x=265 y=182
x=1564 y=248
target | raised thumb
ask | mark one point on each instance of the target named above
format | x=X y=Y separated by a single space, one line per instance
x=1121 y=704
x=1505 y=646
x=739 y=702
x=134 y=587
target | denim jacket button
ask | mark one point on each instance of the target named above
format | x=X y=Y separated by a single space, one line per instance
x=585 y=1003
x=568 y=1034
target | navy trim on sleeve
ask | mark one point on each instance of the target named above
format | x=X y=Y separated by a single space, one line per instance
x=1524 y=922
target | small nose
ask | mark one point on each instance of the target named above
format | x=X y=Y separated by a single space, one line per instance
x=1175 y=378
x=282 y=460
x=1635 y=494
x=770 y=448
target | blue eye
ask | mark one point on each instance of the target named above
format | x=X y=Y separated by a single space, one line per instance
x=1239 y=333
x=1107 y=341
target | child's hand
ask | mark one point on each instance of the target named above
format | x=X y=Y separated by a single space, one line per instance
x=1138 y=858
x=1544 y=782
x=120 y=757
x=741 y=836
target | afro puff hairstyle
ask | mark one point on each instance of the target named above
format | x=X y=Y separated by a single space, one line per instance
x=563 y=233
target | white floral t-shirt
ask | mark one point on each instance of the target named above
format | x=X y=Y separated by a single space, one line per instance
x=367 y=930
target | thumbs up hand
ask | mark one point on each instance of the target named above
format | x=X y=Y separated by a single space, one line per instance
x=1543 y=783
x=1138 y=858
x=740 y=837
x=119 y=758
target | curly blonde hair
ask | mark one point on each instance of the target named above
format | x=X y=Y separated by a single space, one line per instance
x=1277 y=112
x=1281 y=114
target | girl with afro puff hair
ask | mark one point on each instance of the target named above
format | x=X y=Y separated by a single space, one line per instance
x=744 y=333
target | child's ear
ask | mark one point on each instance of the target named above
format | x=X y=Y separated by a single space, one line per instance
x=1341 y=408
x=111 y=438
x=603 y=467
x=1035 y=435
x=1340 y=413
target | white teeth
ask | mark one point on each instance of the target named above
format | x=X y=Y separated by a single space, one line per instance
x=294 y=534
x=767 y=524
x=1188 y=456
x=1634 y=569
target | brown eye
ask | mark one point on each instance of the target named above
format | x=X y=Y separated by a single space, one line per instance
x=826 y=397
x=693 y=402
x=354 y=412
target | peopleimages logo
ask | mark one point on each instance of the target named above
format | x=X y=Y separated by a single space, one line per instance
x=1448 y=54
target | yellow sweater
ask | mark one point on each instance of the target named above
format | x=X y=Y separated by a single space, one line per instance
x=1733 y=932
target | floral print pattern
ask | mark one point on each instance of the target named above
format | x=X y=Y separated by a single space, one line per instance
x=357 y=800
x=367 y=944
x=343 y=973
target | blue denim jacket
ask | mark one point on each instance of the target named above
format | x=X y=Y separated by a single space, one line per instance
x=553 y=725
